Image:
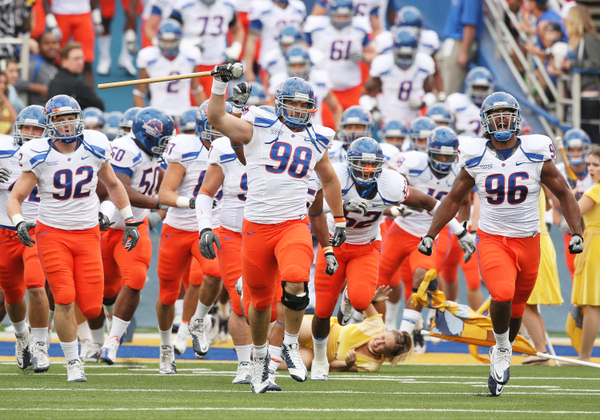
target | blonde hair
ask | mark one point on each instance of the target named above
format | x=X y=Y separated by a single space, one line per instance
x=594 y=151
x=579 y=23
x=403 y=348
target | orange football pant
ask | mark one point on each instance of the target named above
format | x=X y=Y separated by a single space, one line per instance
x=81 y=28
x=450 y=256
x=230 y=264
x=569 y=258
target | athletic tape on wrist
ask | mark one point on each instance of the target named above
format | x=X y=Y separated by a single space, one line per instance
x=218 y=87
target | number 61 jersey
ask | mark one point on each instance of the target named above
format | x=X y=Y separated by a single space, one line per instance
x=508 y=190
x=279 y=164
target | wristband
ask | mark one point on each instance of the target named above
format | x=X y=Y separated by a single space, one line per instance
x=182 y=202
x=456 y=227
x=138 y=93
x=435 y=208
x=318 y=214
x=205 y=191
x=328 y=249
x=51 y=22
x=340 y=221
x=237 y=109
x=218 y=87
x=199 y=89
x=395 y=211
x=130 y=220
x=236 y=147
x=17 y=218
x=126 y=212
x=97 y=16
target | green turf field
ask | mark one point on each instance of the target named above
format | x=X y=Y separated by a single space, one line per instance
x=204 y=389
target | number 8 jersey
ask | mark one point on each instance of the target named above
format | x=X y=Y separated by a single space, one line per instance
x=508 y=190
x=279 y=164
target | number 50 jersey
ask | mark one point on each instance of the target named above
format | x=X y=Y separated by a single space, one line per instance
x=279 y=164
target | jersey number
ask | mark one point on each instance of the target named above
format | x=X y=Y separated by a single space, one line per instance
x=339 y=51
x=33 y=197
x=243 y=186
x=219 y=26
x=146 y=184
x=63 y=180
x=405 y=88
x=172 y=87
x=351 y=223
x=281 y=152
x=495 y=185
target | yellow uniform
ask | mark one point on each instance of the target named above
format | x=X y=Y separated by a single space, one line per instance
x=547 y=286
x=586 y=283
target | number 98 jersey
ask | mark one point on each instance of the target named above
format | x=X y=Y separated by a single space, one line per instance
x=508 y=190
x=67 y=183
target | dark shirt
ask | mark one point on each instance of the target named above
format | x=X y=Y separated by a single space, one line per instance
x=67 y=83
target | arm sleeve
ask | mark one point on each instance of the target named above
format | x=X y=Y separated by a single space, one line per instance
x=471 y=12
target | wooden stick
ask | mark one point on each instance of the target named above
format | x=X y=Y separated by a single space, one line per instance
x=559 y=145
x=154 y=80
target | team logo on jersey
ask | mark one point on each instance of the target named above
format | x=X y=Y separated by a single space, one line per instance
x=488 y=166
x=153 y=127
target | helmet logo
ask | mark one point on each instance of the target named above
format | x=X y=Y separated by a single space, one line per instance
x=153 y=127
x=301 y=96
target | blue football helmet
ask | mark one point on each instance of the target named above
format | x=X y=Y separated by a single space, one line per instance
x=442 y=148
x=258 y=96
x=204 y=129
x=355 y=115
x=577 y=144
x=153 y=128
x=288 y=36
x=187 y=121
x=33 y=115
x=409 y=17
x=420 y=129
x=365 y=161
x=71 y=130
x=297 y=90
x=297 y=61
x=127 y=121
x=268 y=108
x=405 y=48
x=502 y=126
x=93 y=117
x=394 y=132
x=341 y=13
x=480 y=84
x=111 y=124
x=169 y=37
x=440 y=114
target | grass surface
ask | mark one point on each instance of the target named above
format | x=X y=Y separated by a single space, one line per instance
x=131 y=390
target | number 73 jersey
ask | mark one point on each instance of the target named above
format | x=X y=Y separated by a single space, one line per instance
x=508 y=190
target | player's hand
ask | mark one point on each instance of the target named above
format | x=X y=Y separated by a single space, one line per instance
x=161 y=206
x=52 y=26
x=131 y=42
x=415 y=103
x=382 y=294
x=426 y=245
x=23 y=233
x=575 y=244
x=358 y=205
x=241 y=93
x=350 y=358
x=193 y=203
x=131 y=236
x=97 y=19
x=564 y=226
x=225 y=72
x=154 y=220
x=207 y=238
x=232 y=53
x=339 y=236
x=466 y=242
x=332 y=264
x=403 y=211
x=5 y=174
x=356 y=56
x=104 y=221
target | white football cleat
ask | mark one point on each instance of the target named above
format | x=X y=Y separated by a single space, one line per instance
x=199 y=340
x=126 y=63
x=272 y=385
x=213 y=329
x=296 y=368
x=260 y=374
x=346 y=310
x=75 y=372
x=244 y=374
x=39 y=357
x=319 y=371
x=22 y=350
x=500 y=364
x=108 y=354
x=92 y=354
x=180 y=344
x=166 y=365
x=84 y=347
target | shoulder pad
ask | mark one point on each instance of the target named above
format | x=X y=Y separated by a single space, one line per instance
x=183 y=148
x=537 y=147
x=7 y=147
x=414 y=162
x=132 y=154
x=425 y=63
x=471 y=152
x=324 y=134
x=259 y=117
x=33 y=153
x=221 y=151
x=392 y=187
x=98 y=143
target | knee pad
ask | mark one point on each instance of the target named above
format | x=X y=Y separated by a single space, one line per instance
x=293 y=302
x=503 y=292
x=91 y=312
x=14 y=295
x=109 y=301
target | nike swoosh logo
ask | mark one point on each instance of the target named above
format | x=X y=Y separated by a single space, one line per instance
x=521 y=163
x=168 y=236
x=345 y=320
x=85 y=157
x=231 y=237
x=43 y=233
x=250 y=233
x=499 y=388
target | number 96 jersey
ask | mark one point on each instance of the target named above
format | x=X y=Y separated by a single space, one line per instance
x=508 y=190
x=391 y=189
x=279 y=165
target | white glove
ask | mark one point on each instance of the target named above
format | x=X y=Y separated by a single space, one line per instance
x=97 y=19
x=5 y=174
x=466 y=242
x=359 y=205
x=576 y=244
x=356 y=56
x=415 y=103
x=332 y=264
x=426 y=245
x=402 y=211
x=232 y=53
x=154 y=220
x=52 y=26
x=131 y=42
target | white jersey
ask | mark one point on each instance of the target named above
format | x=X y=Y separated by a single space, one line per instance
x=235 y=183
x=391 y=190
x=364 y=9
x=318 y=79
x=144 y=170
x=314 y=186
x=337 y=45
x=508 y=190
x=172 y=97
x=415 y=167
x=207 y=24
x=269 y=19
x=400 y=86
x=429 y=41
x=67 y=183
x=465 y=113
x=338 y=153
x=9 y=158
x=279 y=165
x=583 y=184
x=162 y=8
x=391 y=155
x=70 y=7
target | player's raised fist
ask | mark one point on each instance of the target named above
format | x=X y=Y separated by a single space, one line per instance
x=426 y=245
x=576 y=244
x=241 y=93
x=226 y=72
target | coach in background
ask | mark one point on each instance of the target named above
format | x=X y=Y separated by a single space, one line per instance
x=67 y=80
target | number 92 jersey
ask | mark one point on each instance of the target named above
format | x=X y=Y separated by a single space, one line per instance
x=508 y=190
x=67 y=183
x=279 y=164
x=392 y=189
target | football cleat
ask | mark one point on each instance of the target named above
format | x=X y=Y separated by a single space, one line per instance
x=92 y=354
x=244 y=374
x=494 y=387
x=75 y=371
x=213 y=331
x=272 y=385
x=180 y=344
x=108 y=354
x=22 y=350
x=346 y=310
x=166 y=365
x=39 y=357
x=291 y=355
x=319 y=371
x=199 y=339
x=126 y=63
x=260 y=374
x=84 y=347
x=500 y=364
x=419 y=342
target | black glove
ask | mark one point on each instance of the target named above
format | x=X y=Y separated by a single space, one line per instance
x=131 y=236
x=23 y=233
x=193 y=203
x=339 y=236
x=5 y=174
x=226 y=72
x=358 y=205
x=241 y=94
x=466 y=242
x=104 y=221
x=575 y=244
x=332 y=264
x=207 y=238
x=426 y=245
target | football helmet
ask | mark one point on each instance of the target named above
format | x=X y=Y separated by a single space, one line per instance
x=394 y=132
x=187 y=120
x=111 y=126
x=258 y=96
x=355 y=115
x=577 y=144
x=204 y=129
x=341 y=13
x=405 y=48
x=442 y=148
x=440 y=114
x=169 y=37
x=67 y=131
x=33 y=115
x=480 y=84
x=420 y=129
x=153 y=128
x=289 y=35
x=409 y=17
x=365 y=161
x=93 y=117
x=502 y=126
x=298 y=90
x=297 y=61
x=127 y=121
